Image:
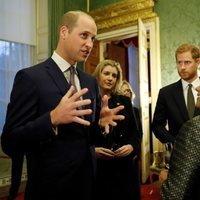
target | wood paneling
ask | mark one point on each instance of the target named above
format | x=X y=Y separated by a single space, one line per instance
x=118 y=54
x=93 y=59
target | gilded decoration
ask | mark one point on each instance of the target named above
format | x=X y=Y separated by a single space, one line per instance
x=122 y=14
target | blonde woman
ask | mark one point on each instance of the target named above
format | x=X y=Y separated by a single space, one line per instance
x=115 y=151
x=127 y=90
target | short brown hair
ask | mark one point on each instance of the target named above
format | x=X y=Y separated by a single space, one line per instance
x=70 y=18
x=188 y=47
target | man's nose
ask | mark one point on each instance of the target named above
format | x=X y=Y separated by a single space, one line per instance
x=90 y=43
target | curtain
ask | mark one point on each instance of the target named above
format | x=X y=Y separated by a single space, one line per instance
x=13 y=57
x=18 y=21
x=133 y=63
x=56 y=10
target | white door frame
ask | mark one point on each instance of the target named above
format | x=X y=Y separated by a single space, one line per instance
x=152 y=26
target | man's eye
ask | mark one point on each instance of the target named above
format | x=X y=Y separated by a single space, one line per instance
x=184 y=62
x=187 y=62
x=93 y=39
x=84 y=35
x=178 y=62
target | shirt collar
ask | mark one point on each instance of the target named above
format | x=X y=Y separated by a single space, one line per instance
x=195 y=83
x=62 y=63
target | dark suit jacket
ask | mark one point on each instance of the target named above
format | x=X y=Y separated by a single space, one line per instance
x=184 y=173
x=57 y=165
x=137 y=118
x=170 y=108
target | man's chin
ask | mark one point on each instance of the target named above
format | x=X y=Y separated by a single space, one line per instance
x=83 y=59
x=185 y=77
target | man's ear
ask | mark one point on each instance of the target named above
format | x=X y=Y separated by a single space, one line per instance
x=64 y=31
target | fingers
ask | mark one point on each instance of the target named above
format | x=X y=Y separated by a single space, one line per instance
x=118 y=108
x=77 y=116
x=81 y=103
x=81 y=121
x=104 y=153
x=76 y=95
x=198 y=89
x=107 y=129
x=105 y=101
x=70 y=109
x=118 y=117
x=113 y=123
x=81 y=112
x=198 y=97
x=125 y=150
x=69 y=92
x=107 y=153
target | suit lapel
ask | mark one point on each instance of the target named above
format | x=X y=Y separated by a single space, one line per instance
x=179 y=100
x=57 y=76
x=83 y=82
x=62 y=84
x=61 y=81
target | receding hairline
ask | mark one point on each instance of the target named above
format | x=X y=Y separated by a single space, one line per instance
x=70 y=18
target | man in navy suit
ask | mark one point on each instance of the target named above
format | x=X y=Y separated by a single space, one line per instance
x=171 y=107
x=54 y=125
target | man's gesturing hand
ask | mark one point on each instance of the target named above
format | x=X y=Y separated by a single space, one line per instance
x=67 y=110
x=108 y=116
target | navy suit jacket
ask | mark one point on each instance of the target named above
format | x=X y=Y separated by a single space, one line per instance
x=171 y=109
x=57 y=165
x=184 y=173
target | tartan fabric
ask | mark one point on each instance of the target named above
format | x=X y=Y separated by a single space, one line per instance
x=184 y=173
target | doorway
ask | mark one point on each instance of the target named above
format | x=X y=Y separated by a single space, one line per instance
x=123 y=24
x=115 y=45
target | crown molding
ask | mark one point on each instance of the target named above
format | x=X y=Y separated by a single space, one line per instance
x=122 y=14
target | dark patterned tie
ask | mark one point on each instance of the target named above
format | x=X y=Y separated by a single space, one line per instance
x=72 y=74
x=72 y=82
x=190 y=101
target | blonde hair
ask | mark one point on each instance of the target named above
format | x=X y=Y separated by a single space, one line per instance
x=111 y=63
x=124 y=82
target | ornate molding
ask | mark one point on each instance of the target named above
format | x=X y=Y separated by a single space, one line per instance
x=122 y=14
